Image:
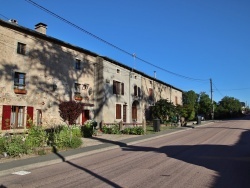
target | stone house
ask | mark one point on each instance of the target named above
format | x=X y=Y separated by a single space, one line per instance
x=37 y=72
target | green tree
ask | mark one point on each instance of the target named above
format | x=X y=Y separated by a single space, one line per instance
x=163 y=110
x=228 y=107
x=205 y=106
x=190 y=104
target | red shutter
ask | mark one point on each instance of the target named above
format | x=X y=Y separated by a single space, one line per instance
x=6 y=117
x=118 y=111
x=29 y=116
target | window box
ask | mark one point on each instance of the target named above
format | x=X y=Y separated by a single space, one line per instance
x=20 y=91
x=78 y=97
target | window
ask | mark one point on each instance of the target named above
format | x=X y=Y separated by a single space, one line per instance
x=17 y=116
x=176 y=100
x=19 y=80
x=78 y=64
x=137 y=91
x=118 y=71
x=118 y=88
x=150 y=94
x=118 y=111
x=13 y=116
x=39 y=117
x=21 y=48
x=77 y=88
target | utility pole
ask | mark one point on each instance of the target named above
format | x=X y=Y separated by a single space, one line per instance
x=211 y=88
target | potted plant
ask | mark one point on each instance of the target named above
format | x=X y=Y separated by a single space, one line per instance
x=78 y=97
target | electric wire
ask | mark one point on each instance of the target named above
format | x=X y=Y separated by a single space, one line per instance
x=108 y=43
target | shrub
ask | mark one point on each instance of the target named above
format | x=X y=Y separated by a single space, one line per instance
x=114 y=129
x=70 y=111
x=2 y=147
x=88 y=128
x=63 y=137
x=133 y=130
x=37 y=137
x=15 y=145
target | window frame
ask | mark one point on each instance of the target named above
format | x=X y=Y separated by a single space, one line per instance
x=118 y=87
x=21 y=48
x=18 y=84
x=77 y=64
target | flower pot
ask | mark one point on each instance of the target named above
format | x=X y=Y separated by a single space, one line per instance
x=78 y=98
x=20 y=91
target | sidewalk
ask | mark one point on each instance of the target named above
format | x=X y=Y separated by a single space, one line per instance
x=91 y=146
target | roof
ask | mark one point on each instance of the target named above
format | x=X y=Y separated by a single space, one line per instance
x=17 y=27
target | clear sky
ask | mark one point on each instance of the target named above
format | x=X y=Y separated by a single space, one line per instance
x=179 y=39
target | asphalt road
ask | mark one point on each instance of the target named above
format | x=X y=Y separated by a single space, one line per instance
x=215 y=155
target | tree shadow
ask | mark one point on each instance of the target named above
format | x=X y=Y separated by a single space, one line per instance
x=232 y=163
x=110 y=183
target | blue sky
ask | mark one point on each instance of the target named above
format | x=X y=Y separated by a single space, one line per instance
x=197 y=39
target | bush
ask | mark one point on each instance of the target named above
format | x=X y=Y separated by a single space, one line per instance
x=15 y=145
x=2 y=143
x=37 y=137
x=63 y=137
x=114 y=129
x=87 y=129
x=134 y=131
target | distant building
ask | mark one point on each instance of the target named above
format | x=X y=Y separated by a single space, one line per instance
x=38 y=72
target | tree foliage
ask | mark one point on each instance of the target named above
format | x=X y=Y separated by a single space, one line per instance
x=163 y=110
x=205 y=106
x=70 y=111
x=228 y=107
x=190 y=105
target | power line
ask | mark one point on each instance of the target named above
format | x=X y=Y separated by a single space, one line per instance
x=4 y=16
x=108 y=43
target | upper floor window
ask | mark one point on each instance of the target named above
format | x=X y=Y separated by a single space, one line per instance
x=77 y=88
x=21 y=48
x=137 y=91
x=78 y=64
x=19 y=80
x=118 y=88
x=150 y=94
x=118 y=71
x=176 y=100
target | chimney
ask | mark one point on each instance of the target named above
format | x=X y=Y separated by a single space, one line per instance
x=41 y=28
x=13 y=21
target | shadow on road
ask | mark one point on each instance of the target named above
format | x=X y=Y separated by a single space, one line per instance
x=232 y=163
x=112 y=184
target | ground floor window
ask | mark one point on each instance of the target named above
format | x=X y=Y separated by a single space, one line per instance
x=14 y=117
x=17 y=117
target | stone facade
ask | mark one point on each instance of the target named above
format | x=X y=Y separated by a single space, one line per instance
x=38 y=72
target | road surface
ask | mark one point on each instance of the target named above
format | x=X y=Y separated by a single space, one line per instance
x=214 y=155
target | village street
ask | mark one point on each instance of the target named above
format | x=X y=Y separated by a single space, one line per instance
x=213 y=155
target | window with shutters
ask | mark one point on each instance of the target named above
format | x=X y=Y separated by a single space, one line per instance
x=118 y=111
x=118 y=88
x=14 y=117
x=137 y=91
